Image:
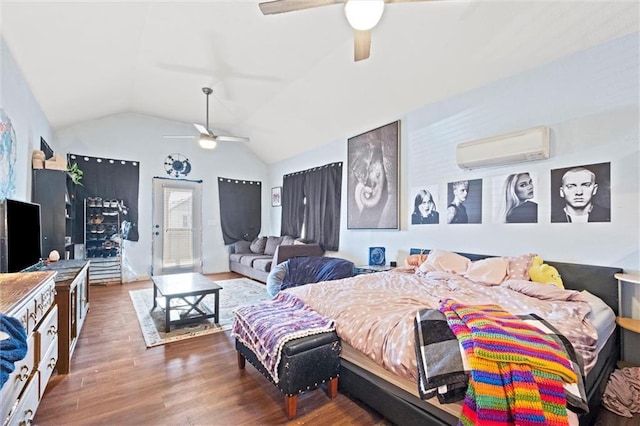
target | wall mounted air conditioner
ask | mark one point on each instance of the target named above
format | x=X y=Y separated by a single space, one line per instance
x=525 y=145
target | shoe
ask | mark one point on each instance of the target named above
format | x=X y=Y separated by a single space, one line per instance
x=91 y=202
x=98 y=202
x=100 y=229
x=93 y=229
x=113 y=204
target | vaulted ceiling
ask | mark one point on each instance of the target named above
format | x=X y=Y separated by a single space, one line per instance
x=287 y=81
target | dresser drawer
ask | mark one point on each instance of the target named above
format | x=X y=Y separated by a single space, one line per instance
x=27 y=405
x=47 y=365
x=18 y=379
x=47 y=332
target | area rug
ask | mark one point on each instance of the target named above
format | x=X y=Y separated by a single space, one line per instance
x=235 y=293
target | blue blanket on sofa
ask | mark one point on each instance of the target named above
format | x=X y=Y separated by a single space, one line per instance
x=312 y=269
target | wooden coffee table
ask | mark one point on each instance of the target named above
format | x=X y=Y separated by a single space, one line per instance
x=188 y=290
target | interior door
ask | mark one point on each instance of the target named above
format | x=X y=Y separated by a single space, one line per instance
x=177 y=226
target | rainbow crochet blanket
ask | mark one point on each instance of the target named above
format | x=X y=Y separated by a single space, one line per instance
x=517 y=372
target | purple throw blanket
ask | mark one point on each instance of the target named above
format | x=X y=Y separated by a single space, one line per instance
x=265 y=327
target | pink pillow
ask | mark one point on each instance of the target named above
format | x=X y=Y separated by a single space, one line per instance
x=446 y=261
x=519 y=266
x=492 y=270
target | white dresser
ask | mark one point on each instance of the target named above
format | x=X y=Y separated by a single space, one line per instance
x=29 y=297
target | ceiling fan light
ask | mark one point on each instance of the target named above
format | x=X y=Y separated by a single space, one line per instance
x=207 y=142
x=363 y=14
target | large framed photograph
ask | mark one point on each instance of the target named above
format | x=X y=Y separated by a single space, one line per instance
x=372 y=183
x=276 y=196
x=581 y=194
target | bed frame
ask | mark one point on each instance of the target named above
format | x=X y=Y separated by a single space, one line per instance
x=403 y=408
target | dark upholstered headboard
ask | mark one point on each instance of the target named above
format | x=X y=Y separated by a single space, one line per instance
x=597 y=280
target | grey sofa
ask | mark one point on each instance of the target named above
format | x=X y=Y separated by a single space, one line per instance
x=255 y=259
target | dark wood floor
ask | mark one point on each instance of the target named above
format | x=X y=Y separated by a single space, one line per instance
x=116 y=380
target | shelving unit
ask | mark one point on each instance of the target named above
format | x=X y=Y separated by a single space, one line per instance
x=102 y=240
x=627 y=323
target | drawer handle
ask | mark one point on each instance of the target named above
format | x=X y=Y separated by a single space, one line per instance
x=52 y=330
x=34 y=316
x=52 y=363
x=54 y=291
x=40 y=307
x=28 y=413
x=24 y=373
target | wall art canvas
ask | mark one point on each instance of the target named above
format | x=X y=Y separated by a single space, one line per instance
x=581 y=194
x=7 y=157
x=372 y=184
x=515 y=198
x=276 y=196
x=464 y=201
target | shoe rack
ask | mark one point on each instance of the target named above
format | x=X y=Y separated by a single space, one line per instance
x=103 y=239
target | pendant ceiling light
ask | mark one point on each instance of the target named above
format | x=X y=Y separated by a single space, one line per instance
x=363 y=14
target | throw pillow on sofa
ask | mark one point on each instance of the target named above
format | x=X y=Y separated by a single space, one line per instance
x=271 y=245
x=242 y=247
x=258 y=245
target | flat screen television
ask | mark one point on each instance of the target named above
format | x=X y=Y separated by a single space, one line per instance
x=20 y=236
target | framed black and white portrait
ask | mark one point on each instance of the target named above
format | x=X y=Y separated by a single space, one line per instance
x=424 y=207
x=372 y=181
x=464 y=201
x=581 y=194
x=515 y=198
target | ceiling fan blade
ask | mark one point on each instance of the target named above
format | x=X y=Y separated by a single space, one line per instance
x=178 y=137
x=232 y=139
x=202 y=129
x=361 y=44
x=282 y=6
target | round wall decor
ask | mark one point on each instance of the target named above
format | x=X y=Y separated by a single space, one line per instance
x=177 y=165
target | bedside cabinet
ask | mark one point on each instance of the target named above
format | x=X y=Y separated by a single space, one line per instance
x=626 y=322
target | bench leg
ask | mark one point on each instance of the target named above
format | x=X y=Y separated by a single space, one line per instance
x=332 y=388
x=290 y=403
x=241 y=360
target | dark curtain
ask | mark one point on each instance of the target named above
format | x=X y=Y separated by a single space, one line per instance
x=292 y=216
x=111 y=180
x=321 y=186
x=322 y=210
x=240 y=209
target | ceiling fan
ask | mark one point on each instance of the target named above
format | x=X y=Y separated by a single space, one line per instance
x=362 y=15
x=208 y=139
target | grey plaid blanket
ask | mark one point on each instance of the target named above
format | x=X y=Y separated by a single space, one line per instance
x=443 y=369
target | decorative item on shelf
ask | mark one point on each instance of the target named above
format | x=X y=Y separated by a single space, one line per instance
x=377 y=256
x=37 y=159
x=75 y=174
x=177 y=165
x=54 y=256
x=57 y=162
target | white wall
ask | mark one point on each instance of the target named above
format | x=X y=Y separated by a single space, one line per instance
x=590 y=100
x=140 y=138
x=26 y=116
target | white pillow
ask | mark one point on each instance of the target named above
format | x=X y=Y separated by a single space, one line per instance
x=441 y=260
x=492 y=270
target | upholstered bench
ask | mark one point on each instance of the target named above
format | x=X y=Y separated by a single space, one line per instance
x=305 y=363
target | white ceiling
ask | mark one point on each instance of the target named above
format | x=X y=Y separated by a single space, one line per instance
x=287 y=81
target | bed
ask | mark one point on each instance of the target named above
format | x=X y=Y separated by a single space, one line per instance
x=391 y=388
